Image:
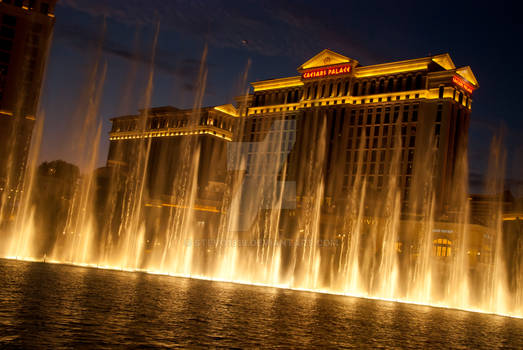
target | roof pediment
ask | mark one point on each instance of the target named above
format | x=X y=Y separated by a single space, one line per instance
x=325 y=58
x=444 y=61
x=227 y=109
x=466 y=73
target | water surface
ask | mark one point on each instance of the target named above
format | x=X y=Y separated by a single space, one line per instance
x=60 y=306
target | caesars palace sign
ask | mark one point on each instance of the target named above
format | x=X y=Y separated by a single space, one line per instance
x=325 y=72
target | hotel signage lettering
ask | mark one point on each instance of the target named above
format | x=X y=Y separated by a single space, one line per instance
x=325 y=72
x=463 y=84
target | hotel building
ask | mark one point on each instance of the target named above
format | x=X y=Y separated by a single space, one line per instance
x=422 y=103
x=336 y=119
x=180 y=144
x=26 y=27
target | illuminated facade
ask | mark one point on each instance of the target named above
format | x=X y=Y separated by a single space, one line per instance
x=26 y=27
x=180 y=143
x=366 y=110
x=338 y=125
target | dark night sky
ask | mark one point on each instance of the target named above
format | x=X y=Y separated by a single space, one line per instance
x=280 y=36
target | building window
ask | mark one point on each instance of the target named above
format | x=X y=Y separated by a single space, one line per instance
x=399 y=84
x=44 y=8
x=418 y=82
x=442 y=247
x=7 y=32
x=409 y=83
x=354 y=89
x=372 y=87
x=441 y=90
x=8 y=20
x=390 y=85
x=4 y=57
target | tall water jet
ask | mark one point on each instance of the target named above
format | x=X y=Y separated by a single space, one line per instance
x=77 y=240
x=306 y=166
x=495 y=290
x=178 y=252
x=22 y=240
x=130 y=234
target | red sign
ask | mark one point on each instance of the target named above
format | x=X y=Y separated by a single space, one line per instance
x=463 y=84
x=325 y=72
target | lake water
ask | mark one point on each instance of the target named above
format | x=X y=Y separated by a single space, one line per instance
x=58 y=306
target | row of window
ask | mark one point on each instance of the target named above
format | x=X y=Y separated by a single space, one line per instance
x=333 y=89
x=373 y=169
x=377 y=155
x=273 y=137
x=31 y=4
x=277 y=98
x=391 y=85
x=381 y=130
x=390 y=116
x=379 y=181
x=267 y=163
x=388 y=143
x=163 y=123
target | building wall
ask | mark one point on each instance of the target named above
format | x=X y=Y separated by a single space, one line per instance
x=401 y=125
x=185 y=157
x=363 y=121
x=25 y=34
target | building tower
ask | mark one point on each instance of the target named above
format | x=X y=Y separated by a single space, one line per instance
x=26 y=27
x=420 y=107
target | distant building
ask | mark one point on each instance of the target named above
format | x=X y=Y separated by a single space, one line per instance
x=26 y=27
x=172 y=137
x=483 y=206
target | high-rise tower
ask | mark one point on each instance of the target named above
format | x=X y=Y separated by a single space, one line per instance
x=26 y=27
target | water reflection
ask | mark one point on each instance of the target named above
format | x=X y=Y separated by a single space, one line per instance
x=57 y=306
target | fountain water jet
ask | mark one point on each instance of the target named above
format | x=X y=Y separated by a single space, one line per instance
x=158 y=232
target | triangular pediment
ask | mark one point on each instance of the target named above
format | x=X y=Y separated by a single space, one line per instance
x=227 y=109
x=325 y=58
x=444 y=61
x=466 y=73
